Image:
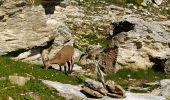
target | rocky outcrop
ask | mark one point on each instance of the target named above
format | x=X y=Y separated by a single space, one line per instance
x=137 y=47
x=157 y=2
x=165 y=87
x=23 y=27
x=73 y=92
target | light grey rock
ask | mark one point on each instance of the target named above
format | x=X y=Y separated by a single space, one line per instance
x=156 y=91
x=143 y=96
x=145 y=2
x=138 y=88
x=19 y=80
x=152 y=83
x=26 y=32
x=165 y=87
x=158 y=2
x=67 y=90
x=136 y=47
x=94 y=84
x=71 y=91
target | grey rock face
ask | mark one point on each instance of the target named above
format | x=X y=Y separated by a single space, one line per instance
x=24 y=28
x=165 y=87
x=137 y=47
x=158 y=2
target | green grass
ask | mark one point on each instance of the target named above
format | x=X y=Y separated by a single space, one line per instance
x=93 y=39
x=22 y=92
x=36 y=72
x=139 y=77
x=138 y=91
x=10 y=67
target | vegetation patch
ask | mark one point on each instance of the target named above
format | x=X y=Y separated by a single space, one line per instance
x=93 y=39
x=33 y=89
x=36 y=72
x=128 y=77
x=10 y=67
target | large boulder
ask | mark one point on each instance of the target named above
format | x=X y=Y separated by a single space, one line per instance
x=73 y=92
x=23 y=27
x=165 y=87
x=137 y=47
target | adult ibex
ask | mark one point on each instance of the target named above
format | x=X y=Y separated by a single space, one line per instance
x=63 y=57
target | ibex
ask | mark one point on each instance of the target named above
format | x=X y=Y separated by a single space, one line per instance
x=61 y=58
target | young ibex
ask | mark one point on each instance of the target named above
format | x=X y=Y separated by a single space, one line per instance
x=61 y=58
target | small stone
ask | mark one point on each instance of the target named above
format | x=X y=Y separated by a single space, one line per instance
x=94 y=84
x=19 y=80
x=92 y=92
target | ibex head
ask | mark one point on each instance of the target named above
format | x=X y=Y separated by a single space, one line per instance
x=45 y=58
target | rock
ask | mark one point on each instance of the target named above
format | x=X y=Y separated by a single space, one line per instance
x=152 y=83
x=19 y=80
x=97 y=86
x=166 y=65
x=73 y=92
x=2 y=15
x=10 y=98
x=34 y=96
x=165 y=87
x=156 y=91
x=67 y=90
x=138 y=88
x=93 y=84
x=137 y=47
x=115 y=91
x=92 y=92
x=145 y=2
x=108 y=58
x=143 y=96
x=2 y=78
x=110 y=83
x=15 y=35
x=158 y=2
